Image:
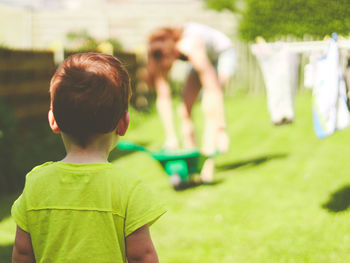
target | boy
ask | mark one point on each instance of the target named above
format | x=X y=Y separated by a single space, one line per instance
x=84 y=209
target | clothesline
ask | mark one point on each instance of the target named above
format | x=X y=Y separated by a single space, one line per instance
x=306 y=46
x=279 y=63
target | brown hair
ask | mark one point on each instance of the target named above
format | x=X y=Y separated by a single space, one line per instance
x=89 y=94
x=162 y=52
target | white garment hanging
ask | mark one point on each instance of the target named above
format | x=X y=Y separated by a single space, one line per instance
x=280 y=71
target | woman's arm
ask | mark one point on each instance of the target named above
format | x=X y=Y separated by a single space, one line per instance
x=139 y=247
x=212 y=97
x=22 y=249
x=194 y=48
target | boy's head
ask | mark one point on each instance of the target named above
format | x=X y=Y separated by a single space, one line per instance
x=90 y=92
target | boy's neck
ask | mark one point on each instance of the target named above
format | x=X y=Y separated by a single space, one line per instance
x=84 y=157
x=96 y=152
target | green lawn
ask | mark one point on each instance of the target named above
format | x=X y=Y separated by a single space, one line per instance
x=282 y=195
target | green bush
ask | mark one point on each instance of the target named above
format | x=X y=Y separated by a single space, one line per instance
x=220 y=5
x=273 y=19
x=8 y=124
x=23 y=145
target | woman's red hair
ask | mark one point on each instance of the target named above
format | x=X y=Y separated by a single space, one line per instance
x=162 y=52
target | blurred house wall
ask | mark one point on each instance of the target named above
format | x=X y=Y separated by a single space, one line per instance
x=130 y=21
x=49 y=26
x=15 y=29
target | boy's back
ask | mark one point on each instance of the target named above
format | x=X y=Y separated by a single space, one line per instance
x=82 y=211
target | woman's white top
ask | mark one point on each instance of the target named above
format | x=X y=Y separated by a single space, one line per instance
x=215 y=41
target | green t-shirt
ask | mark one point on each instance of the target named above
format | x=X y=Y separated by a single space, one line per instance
x=83 y=212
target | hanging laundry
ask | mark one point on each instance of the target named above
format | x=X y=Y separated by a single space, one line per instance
x=279 y=67
x=329 y=106
x=310 y=70
x=347 y=78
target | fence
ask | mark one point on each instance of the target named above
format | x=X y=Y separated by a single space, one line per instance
x=24 y=81
x=248 y=75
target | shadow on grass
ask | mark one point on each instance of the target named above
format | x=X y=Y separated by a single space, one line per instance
x=116 y=154
x=191 y=185
x=250 y=162
x=339 y=200
x=5 y=253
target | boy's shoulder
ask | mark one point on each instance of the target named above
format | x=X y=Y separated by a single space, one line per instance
x=40 y=168
x=55 y=169
x=42 y=165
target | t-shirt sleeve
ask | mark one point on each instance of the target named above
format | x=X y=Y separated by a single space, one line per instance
x=18 y=212
x=142 y=208
x=20 y=206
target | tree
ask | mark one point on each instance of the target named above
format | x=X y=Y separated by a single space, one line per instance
x=220 y=5
x=273 y=19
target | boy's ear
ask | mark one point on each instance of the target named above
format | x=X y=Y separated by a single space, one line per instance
x=52 y=122
x=123 y=124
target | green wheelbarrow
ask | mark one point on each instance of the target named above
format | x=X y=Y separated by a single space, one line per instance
x=179 y=165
